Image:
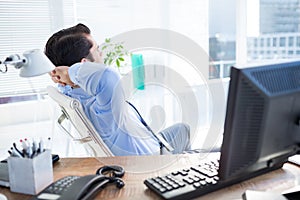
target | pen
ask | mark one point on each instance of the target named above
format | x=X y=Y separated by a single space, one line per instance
x=15 y=146
x=24 y=145
x=41 y=145
x=29 y=150
x=15 y=153
x=34 y=145
x=33 y=154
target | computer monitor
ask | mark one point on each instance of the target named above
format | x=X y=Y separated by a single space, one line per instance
x=262 y=120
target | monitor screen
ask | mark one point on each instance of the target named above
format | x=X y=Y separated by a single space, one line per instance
x=262 y=120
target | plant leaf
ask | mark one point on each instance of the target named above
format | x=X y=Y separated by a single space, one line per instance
x=118 y=62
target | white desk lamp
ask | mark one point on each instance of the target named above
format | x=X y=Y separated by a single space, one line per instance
x=32 y=63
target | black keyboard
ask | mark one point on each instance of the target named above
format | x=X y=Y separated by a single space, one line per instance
x=189 y=182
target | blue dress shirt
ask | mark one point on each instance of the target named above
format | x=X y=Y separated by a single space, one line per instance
x=102 y=97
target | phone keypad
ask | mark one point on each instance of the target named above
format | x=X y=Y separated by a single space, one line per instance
x=61 y=185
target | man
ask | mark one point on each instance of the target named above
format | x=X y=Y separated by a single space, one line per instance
x=83 y=76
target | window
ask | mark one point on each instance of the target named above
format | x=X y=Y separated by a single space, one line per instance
x=282 y=42
x=262 y=42
x=26 y=25
x=214 y=71
x=227 y=68
x=270 y=33
x=298 y=41
x=255 y=42
x=291 y=41
x=268 y=42
x=274 y=42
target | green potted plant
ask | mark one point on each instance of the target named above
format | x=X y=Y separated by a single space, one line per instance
x=114 y=53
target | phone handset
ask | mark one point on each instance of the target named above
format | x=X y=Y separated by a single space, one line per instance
x=84 y=187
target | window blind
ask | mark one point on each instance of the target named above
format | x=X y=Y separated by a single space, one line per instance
x=26 y=25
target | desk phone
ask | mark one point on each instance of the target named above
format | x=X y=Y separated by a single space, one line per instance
x=73 y=187
x=82 y=187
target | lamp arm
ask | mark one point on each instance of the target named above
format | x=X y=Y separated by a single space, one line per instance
x=4 y=70
x=15 y=60
x=32 y=63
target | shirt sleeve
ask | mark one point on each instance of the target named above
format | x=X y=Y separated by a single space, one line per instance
x=95 y=79
x=105 y=105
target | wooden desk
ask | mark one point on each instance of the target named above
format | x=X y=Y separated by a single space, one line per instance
x=138 y=168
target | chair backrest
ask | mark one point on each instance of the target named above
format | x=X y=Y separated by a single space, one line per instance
x=86 y=133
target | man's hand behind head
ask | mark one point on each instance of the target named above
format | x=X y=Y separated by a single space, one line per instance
x=60 y=75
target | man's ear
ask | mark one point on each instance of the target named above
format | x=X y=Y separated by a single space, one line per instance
x=84 y=60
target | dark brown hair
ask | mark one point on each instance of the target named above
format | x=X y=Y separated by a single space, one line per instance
x=71 y=49
x=54 y=49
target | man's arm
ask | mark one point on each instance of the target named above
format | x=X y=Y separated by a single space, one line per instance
x=60 y=75
x=94 y=78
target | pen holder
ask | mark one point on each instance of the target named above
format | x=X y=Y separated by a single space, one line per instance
x=30 y=175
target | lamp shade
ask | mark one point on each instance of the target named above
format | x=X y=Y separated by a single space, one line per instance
x=36 y=63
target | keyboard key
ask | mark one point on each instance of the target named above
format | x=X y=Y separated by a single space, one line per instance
x=175 y=173
x=162 y=190
x=197 y=185
x=187 y=180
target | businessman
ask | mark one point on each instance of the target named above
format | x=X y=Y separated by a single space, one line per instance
x=81 y=74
